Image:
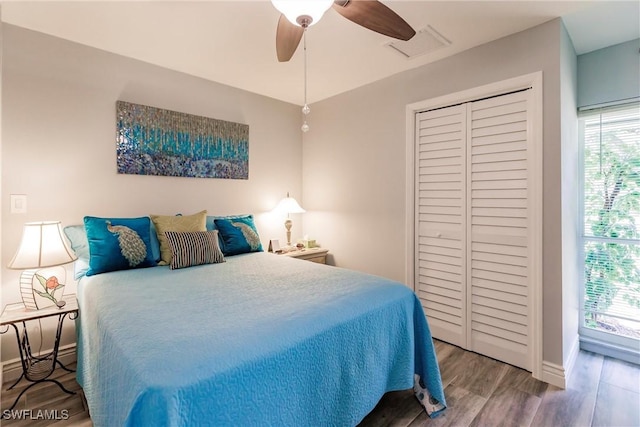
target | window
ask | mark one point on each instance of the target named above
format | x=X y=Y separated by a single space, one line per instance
x=610 y=142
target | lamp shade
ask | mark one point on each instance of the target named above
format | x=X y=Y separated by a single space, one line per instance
x=288 y=205
x=293 y=9
x=42 y=245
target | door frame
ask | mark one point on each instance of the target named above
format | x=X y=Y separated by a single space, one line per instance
x=533 y=81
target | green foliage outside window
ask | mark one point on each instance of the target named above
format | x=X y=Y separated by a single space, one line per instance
x=611 y=211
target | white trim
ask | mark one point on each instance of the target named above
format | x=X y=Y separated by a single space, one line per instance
x=570 y=362
x=621 y=103
x=553 y=374
x=533 y=81
x=535 y=275
x=620 y=341
x=609 y=349
x=491 y=89
x=410 y=154
x=466 y=231
x=12 y=369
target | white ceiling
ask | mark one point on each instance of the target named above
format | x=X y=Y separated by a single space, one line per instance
x=233 y=42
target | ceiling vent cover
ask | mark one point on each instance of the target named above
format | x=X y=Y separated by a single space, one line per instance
x=425 y=41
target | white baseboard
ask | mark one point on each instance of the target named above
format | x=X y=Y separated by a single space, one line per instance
x=554 y=374
x=572 y=357
x=12 y=369
x=558 y=375
x=609 y=349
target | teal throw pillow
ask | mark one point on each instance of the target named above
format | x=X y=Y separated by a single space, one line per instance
x=118 y=244
x=238 y=234
x=77 y=236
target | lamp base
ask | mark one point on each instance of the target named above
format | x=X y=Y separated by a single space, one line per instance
x=287 y=224
x=42 y=288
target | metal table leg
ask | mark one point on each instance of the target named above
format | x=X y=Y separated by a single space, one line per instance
x=38 y=368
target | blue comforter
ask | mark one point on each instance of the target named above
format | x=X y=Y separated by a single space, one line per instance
x=257 y=340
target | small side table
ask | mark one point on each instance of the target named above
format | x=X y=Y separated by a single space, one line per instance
x=318 y=255
x=37 y=368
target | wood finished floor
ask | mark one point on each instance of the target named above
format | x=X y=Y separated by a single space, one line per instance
x=480 y=392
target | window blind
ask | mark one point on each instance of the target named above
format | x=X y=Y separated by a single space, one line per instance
x=611 y=209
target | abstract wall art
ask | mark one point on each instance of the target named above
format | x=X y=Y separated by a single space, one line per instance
x=154 y=141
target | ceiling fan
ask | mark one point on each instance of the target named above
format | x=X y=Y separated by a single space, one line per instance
x=298 y=15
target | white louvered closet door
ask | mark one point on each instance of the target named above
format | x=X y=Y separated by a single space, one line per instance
x=441 y=175
x=472 y=218
x=497 y=228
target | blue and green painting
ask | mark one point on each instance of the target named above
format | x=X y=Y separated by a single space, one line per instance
x=154 y=141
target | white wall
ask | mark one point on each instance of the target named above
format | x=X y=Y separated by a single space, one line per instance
x=609 y=74
x=354 y=161
x=58 y=147
x=570 y=206
x=58 y=143
x=1 y=67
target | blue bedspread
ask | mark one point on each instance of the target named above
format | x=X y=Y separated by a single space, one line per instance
x=258 y=340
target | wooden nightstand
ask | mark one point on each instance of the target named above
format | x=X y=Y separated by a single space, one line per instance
x=318 y=255
x=37 y=368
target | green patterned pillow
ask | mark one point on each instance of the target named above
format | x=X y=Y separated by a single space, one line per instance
x=179 y=223
x=194 y=248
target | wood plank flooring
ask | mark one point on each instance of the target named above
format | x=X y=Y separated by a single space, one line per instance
x=61 y=409
x=480 y=392
x=484 y=392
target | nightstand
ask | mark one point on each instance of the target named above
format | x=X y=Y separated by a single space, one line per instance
x=37 y=368
x=318 y=255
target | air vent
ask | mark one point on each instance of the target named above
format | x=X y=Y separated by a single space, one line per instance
x=425 y=41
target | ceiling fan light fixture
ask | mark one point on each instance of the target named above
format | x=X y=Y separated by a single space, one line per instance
x=302 y=13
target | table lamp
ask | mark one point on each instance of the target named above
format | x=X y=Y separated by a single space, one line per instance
x=288 y=205
x=43 y=247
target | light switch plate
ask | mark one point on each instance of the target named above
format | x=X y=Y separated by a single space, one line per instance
x=18 y=203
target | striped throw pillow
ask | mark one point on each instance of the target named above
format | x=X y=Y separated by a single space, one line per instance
x=189 y=248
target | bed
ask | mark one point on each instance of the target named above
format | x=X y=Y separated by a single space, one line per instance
x=259 y=339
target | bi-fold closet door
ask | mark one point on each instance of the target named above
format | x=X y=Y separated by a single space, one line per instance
x=473 y=215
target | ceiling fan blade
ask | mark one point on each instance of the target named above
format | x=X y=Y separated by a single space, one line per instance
x=375 y=16
x=287 y=39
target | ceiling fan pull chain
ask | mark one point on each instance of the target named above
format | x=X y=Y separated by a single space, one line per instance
x=305 y=109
